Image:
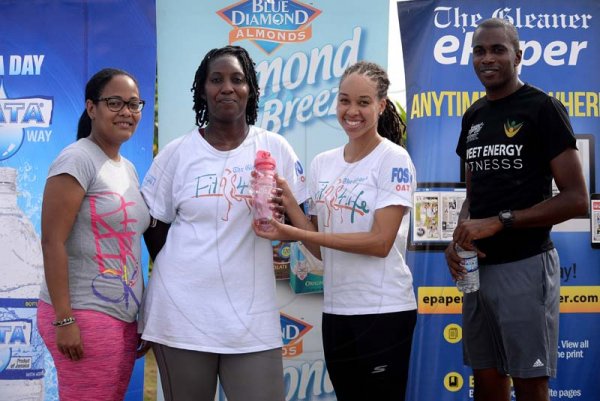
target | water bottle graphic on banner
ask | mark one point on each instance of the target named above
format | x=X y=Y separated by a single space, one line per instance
x=21 y=272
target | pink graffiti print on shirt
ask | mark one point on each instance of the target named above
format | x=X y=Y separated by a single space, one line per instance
x=113 y=237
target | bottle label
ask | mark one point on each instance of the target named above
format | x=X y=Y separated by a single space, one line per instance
x=21 y=346
x=469 y=260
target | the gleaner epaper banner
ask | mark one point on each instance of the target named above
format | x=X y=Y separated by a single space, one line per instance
x=561 y=55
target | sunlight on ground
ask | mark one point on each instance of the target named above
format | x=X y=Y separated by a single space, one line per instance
x=150 y=372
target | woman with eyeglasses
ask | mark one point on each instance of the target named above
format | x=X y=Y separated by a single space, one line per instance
x=93 y=216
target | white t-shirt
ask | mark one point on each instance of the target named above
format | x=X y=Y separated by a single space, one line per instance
x=345 y=197
x=212 y=287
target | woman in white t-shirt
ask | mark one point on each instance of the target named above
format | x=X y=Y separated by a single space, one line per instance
x=210 y=306
x=361 y=196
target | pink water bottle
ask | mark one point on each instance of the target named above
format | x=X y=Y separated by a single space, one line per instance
x=263 y=185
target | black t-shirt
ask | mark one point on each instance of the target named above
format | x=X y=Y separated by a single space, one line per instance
x=507 y=145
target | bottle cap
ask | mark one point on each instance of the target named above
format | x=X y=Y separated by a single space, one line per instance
x=264 y=160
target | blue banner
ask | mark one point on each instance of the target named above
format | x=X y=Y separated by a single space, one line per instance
x=561 y=55
x=48 y=51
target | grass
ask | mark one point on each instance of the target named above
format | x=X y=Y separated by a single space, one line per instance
x=150 y=372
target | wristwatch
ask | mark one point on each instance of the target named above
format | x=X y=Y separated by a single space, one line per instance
x=507 y=218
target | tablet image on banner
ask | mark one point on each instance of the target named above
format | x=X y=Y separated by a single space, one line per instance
x=435 y=214
x=585 y=150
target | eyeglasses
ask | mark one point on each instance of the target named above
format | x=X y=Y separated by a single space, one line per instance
x=116 y=104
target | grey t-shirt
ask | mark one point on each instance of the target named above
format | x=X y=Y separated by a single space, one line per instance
x=105 y=273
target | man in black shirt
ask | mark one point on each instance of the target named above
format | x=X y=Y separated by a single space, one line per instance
x=514 y=141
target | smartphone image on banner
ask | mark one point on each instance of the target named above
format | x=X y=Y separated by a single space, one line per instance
x=595 y=220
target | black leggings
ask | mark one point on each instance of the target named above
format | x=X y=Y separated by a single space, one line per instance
x=367 y=356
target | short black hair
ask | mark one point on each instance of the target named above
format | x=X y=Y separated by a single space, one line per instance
x=505 y=24
x=248 y=66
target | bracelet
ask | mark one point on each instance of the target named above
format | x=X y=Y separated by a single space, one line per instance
x=65 y=322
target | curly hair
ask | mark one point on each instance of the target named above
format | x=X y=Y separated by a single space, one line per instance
x=248 y=66
x=390 y=124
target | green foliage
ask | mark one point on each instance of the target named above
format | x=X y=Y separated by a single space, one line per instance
x=402 y=113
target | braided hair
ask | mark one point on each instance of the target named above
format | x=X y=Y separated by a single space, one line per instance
x=390 y=124
x=200 y=105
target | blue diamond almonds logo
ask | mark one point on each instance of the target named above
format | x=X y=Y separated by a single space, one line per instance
x=269 y=23
x=292 y=331
x=18 y=114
